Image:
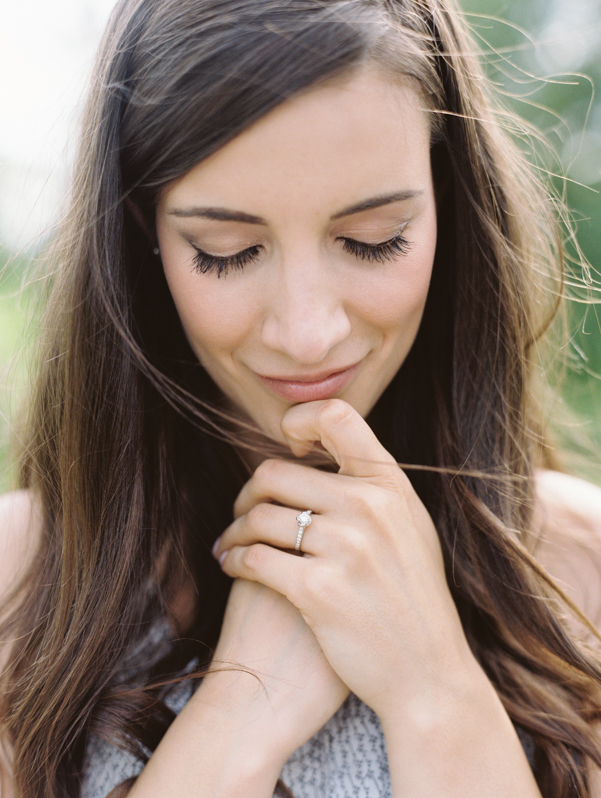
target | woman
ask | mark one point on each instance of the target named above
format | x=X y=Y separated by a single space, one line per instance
x=300 y=250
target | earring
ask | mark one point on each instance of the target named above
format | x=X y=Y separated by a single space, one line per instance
x=156 y=250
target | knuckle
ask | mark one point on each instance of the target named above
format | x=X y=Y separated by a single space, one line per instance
x=334 y=412
x=357 y=509
x=358 y=545
x=356 y=499
x=368 y=501
x=357 y=551
x=381 y=503
x=320 y=585
x=251 y=558
x=267 y=471
x=258 y=515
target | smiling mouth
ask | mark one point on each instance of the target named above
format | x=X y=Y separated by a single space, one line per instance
x=306 y=390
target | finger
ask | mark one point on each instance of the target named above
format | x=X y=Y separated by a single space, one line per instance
x=276 y=526
x=345 y=434
x=271 y=567
x=291 y=484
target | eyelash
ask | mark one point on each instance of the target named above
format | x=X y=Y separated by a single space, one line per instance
x=372 y=253
x=205 y=263
x=377 y=253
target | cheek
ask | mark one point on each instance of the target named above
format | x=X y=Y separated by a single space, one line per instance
x=395 y=298
x=395 y=301
x=214 y=319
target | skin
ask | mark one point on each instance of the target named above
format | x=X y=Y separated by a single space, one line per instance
x=306 y=306
x=367 y=606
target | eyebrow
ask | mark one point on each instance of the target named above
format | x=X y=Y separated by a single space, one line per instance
x=227 y=215
x=218 y=215
x=377 y=202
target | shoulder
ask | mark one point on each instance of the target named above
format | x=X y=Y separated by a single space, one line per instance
x=19 y=541
x=568 y=537
x=19 y=538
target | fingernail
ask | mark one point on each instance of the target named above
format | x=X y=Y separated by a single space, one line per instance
x=215 y=547
x=222 y=557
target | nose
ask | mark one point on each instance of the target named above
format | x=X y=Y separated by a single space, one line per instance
x=305 y=315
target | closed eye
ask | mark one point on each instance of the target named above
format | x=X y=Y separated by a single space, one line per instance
x=373 y=253
x=377 y=253
x=205 y=263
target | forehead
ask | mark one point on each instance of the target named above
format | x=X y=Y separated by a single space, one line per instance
x=363 y=133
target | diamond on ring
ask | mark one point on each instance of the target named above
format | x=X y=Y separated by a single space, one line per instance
x=303 y=520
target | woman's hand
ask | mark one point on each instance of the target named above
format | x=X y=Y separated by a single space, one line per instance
x=293 y=690
x=269 y=690
x=371 y=584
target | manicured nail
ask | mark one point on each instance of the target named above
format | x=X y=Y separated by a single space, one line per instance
x=222 y=556
x=215 y=547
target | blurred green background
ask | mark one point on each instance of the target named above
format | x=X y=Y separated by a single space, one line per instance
x=544 y=58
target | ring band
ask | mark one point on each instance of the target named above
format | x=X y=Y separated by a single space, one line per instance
x=303 y=520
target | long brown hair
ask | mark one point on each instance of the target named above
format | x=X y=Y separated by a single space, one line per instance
x=128 y=454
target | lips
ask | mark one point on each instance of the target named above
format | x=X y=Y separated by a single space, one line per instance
x=310 y=389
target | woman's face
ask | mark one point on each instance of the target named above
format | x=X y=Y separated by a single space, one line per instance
x=299 y=255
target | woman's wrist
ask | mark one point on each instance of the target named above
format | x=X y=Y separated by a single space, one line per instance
x=237 y=705
x=219 y=745
x=421 y=709
x=456 y=739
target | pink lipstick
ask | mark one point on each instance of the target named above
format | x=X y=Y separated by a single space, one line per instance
x=310 y=390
